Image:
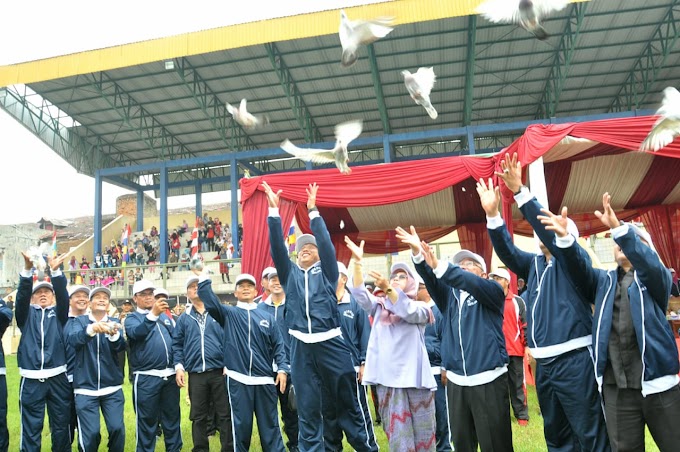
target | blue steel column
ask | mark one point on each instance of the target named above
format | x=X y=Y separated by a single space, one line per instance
x=97 y=212
x=140 y=210
x=387 y=149
x=233 y=182
x=164 y=214
x=199 y=201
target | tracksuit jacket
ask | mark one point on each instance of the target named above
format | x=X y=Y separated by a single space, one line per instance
x=6 y=315
x=198 y=355
x=249 y=355
x=559 y=317
x=150 y=341
x=355 y=327
x=306 y=288
x=41 y=351
x=648 y=296
x=277 y=312
x=472 y=330
x=433 y=339
x=96 y=370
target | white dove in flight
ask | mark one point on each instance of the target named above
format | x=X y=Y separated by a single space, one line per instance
x=345 y=133
x=525 y=13
x=419 y=86
x=354 y=33
x=667 y=127
x=246 y=119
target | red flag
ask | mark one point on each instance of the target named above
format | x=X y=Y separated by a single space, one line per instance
x=194 y=239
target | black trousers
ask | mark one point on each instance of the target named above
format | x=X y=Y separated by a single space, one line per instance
x=204 y=387
x=518 y=397
x=480 y=415
x=627 y=412
x=288 y=416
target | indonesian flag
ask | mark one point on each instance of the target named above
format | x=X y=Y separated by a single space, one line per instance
x=194 y=239
x=54 y=243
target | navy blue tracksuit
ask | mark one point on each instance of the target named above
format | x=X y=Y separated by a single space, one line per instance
x=97 y=383
x=253 y=344
x=155 y=391
x=42 y=365
x=319 y=353
x=288 y=416
x=356 y=329
x=5 y=319
x=559 y=336
x=433 y=344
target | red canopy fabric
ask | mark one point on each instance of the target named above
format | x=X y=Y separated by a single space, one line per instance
x=581 y=162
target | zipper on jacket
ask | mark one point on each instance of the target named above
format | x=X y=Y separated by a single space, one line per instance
x=599 y=325
x=42 y=339
x=538 y=294
x=99 y=366
x=250 y=348
x=644 y=337
x=167 y=359
x=461 y=302
x=309 y=320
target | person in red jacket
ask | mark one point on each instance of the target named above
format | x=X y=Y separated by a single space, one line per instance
x=514 y=328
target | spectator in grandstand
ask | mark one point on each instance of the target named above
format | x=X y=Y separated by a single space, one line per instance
x=198 y=352
x=156 y=397
x=153 y=232
x=42 y=357
x=317 y=346
x=97 y=340
x=72 y=269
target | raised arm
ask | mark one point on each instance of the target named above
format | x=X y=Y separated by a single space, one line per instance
x=23 y=298
x=277 y=246
x=355 y=284
x=329 y=263
x=411 y=311
x=518 y=261
x=60 y=292
x=210 y=300
x=5 y=316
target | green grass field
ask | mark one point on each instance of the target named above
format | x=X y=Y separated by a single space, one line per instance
x=525 y=439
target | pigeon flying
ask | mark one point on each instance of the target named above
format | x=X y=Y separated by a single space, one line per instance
x=419 y=86
x=354 y=33
x=525 y=13
x=247 y=120
x=667 y=127
x=345 y=133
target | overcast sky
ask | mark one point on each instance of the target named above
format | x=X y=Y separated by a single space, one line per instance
x=36 y=182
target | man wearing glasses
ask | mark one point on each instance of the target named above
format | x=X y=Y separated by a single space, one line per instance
x=155 y=393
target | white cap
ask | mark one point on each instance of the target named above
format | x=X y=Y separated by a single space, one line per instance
x=501 y=273
x=403 y=266
x=267 y=271
x=245 y=277
x=161 y=291
x=41 y=284
x=466 y=254
x=303 y=240
x=78 y=288
x=106 y=290
x=141 y=286
x=342 y=269
x=190 y=280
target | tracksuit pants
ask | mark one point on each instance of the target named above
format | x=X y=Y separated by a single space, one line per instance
x=205 y=387
x=328 y=364
x=480 y=415
x=112 y=407
x=442 y=432
x=332 y=432
x=516 y=387
x=55 y=392
x=261 y=400
x=570 y=403
x=288 y=416
x=4 y=433
x=155 y=399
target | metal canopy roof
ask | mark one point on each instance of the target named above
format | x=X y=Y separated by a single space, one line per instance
x=603 y=56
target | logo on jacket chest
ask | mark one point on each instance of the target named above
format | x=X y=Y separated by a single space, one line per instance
x=315 y=270
x=349 y=314
x=264 y=323
x=51 y=314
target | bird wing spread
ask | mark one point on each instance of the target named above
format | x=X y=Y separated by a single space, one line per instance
x=309 y=155
x=425 y=78
x=348 y=131
x=662 y=134
x=500 y=11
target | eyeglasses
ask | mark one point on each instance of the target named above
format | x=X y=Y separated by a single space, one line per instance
x=469 y=264
x=146 y=293
x=399 y=276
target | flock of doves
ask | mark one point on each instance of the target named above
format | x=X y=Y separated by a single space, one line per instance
x=526 y=14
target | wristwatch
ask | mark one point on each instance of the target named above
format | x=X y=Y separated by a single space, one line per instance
x=313 y=209
x=519 y=190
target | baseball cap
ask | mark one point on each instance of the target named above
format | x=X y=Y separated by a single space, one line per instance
x=273 y=274
x=466 y=254
x=127 y=302
x=78 y=288
x=342 y=269
x=161 y=291
x=106 y=290
x=41 y=284
x=141 y=286
x=190 y=280
x=303 y=240
x=403 y=266
x=267 y=271
x=245 y=277
x=501 y=273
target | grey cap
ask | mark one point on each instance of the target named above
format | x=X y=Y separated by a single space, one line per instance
x=106 y=290
x=245 y=277
x=466 y=254
x=303 y=240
